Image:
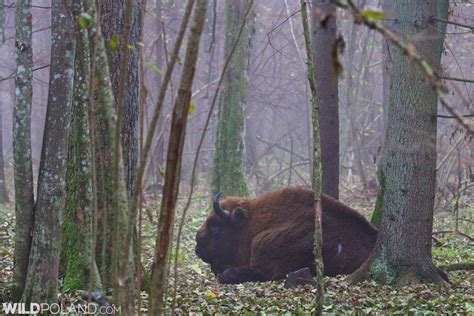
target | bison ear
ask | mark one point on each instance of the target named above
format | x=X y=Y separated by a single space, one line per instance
x=239 y=216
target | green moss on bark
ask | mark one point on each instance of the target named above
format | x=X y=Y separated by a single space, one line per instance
x=228 y=173
x=377 y=215
x=77 y=241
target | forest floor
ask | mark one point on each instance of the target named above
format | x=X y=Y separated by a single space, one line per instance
x=199 y=292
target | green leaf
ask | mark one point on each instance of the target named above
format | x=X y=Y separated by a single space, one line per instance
x=192 y=107
x=373 y=14
x=155 y=68
x=195 y=267
x=114 y=41
x=85 y=20
x=130 y=46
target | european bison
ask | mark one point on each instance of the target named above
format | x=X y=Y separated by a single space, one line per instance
x=265 y=238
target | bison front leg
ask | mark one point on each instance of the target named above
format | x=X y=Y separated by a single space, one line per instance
x=240 y=275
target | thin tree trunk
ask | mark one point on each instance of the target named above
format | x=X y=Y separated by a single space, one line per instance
x=316 y=176
x=402 y=254
x=3 y=186
x=324 y=39
x=229 y=172
x=173 y=164
x=24 y=196
x=42 y=278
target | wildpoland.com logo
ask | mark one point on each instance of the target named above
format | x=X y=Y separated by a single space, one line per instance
x=56 y=309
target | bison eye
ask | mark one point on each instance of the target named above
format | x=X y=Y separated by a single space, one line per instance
x=214 y=227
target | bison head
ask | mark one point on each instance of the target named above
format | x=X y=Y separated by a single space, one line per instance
x=218 y=238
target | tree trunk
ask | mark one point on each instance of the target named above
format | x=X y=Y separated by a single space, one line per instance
x=42 y=278
x=316 y=179
x=324 y=39
x=112 y=24
x=173 y=164
x=229 y=173
x=402 y=254
x=77 y=242
x=22 y=161
x=3 y=185
x=387 y=7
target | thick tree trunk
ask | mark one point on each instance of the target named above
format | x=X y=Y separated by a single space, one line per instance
x=173 y=163
x=24 y=196
x=327 y=82
x=402 y=254
x=112 y=25
x=229 y=173
x=42 y=278
x=78 y=237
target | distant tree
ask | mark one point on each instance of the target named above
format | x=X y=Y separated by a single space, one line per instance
x=22 y=161
x=324 y=33
x=173 y=163
x=42 y=277
x=402 y=254
x=229 y=174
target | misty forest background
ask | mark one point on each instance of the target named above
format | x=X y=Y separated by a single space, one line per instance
x=61 y=155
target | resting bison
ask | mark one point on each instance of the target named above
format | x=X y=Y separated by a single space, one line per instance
x=265 y=238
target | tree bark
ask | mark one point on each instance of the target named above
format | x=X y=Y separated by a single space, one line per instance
x=78 y=237
x=4 y=198
x=42 y=278
x=22 y=161
x=173 y=163
x=316 y=179
x=402 y=254
x=229 y=173
x=387 y=7
x=112 y=24
x=324 y=39
x=3 y=185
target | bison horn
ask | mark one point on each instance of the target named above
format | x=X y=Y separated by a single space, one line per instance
x=217 y=208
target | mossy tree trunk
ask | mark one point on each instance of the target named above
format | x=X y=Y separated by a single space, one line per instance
x=324 y=39
x=22 y=162
x=173 y=164
x=111 y=199
x=402 y=254
x=228 y=174
x=78 y=236
x=120 y=23
x=42 y=277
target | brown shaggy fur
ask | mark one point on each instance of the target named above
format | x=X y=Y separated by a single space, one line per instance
x=267 y=237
